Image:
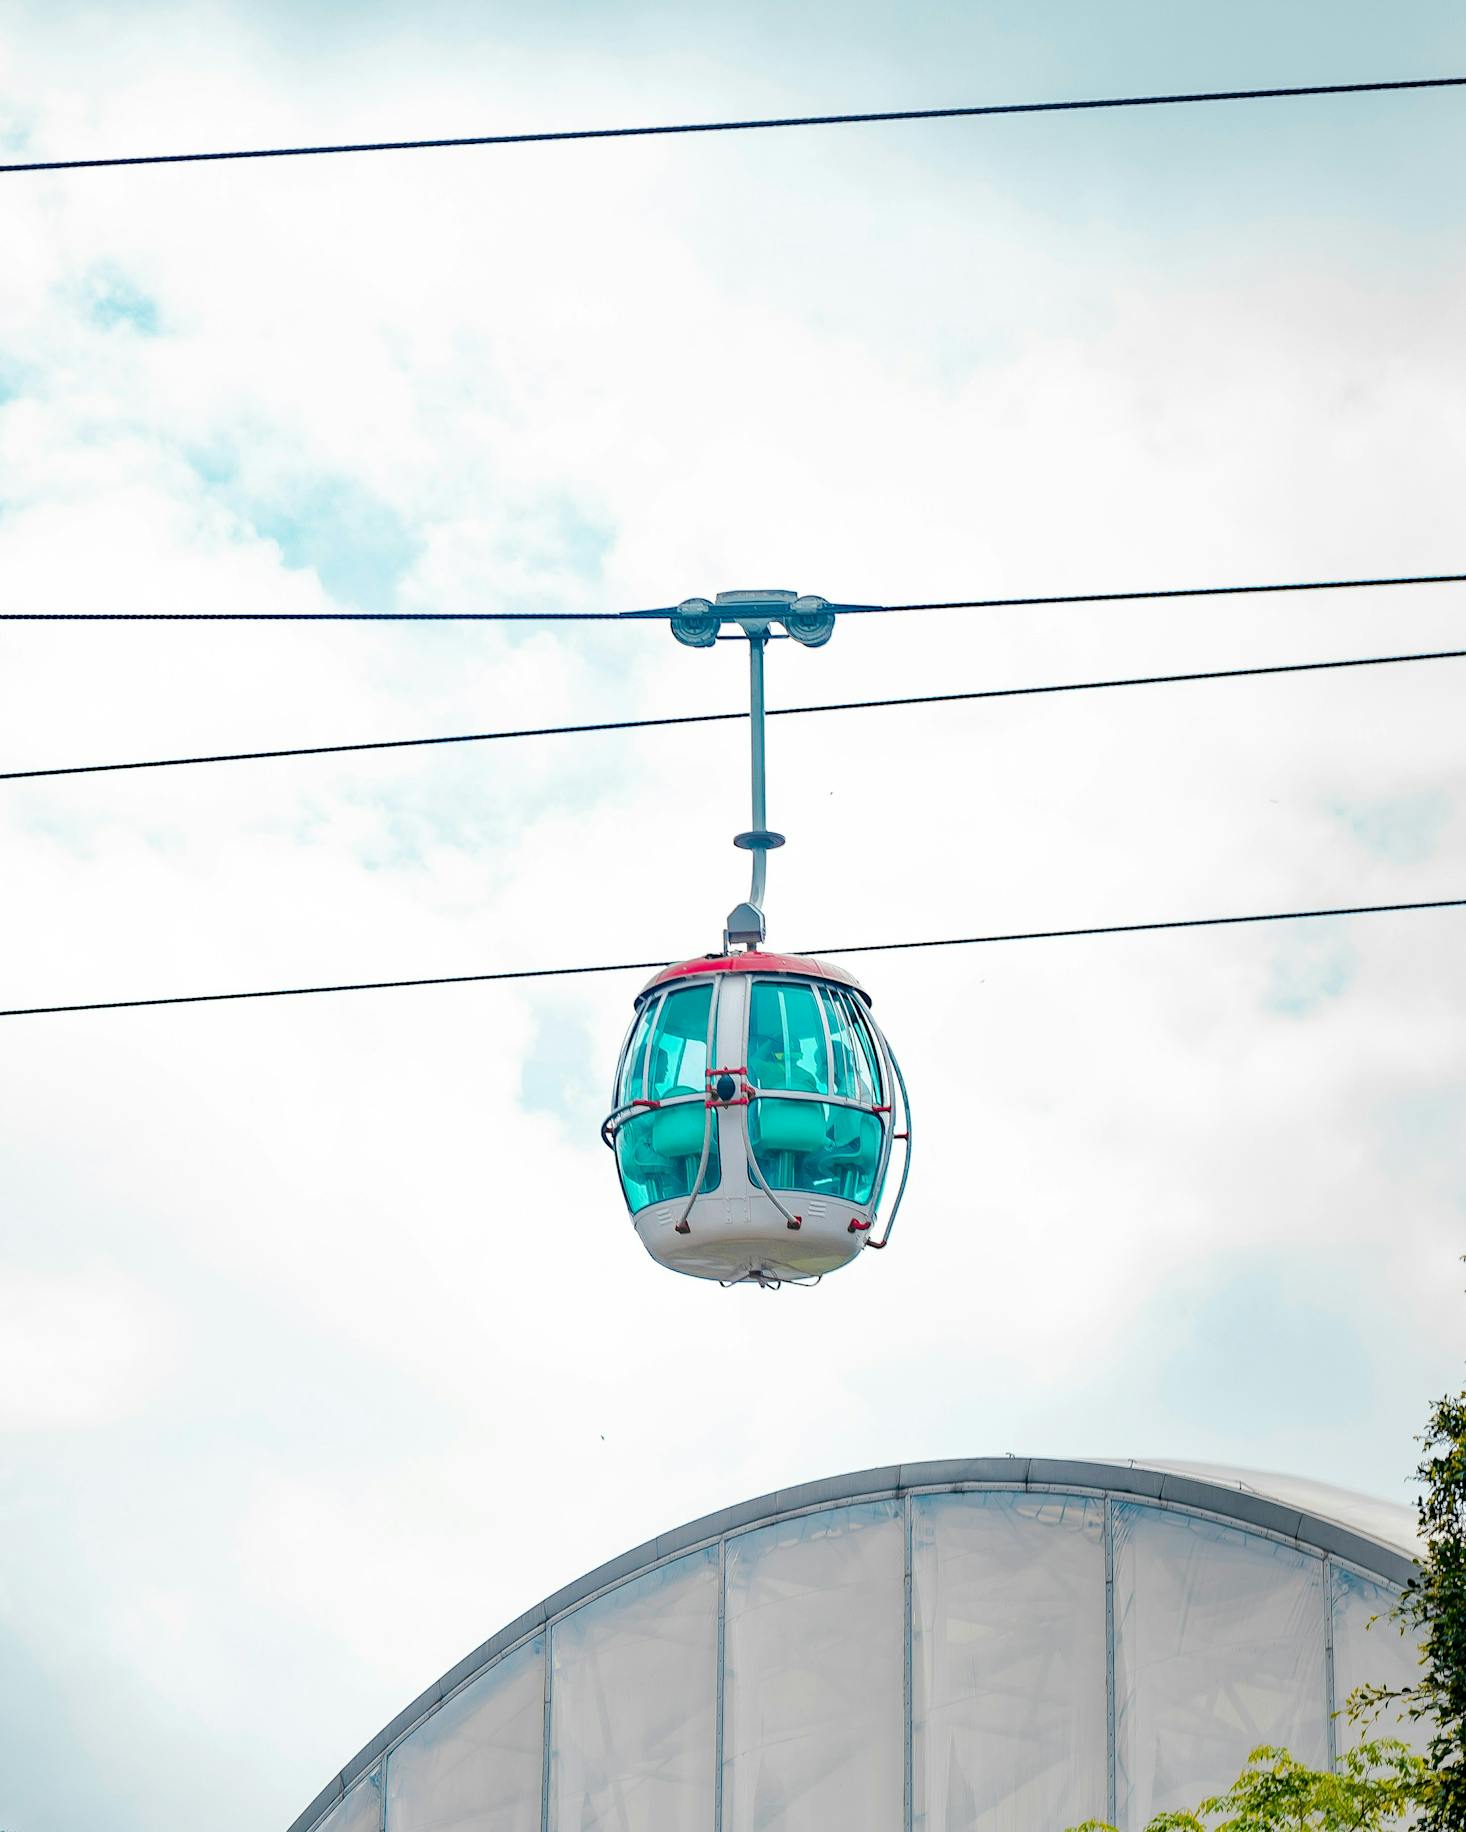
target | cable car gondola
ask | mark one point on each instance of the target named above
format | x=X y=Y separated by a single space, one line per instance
x=757 y=1103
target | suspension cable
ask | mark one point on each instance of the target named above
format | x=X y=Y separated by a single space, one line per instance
x=716 y=718
x=666 y=611
x=871 y=947
x=741 y=125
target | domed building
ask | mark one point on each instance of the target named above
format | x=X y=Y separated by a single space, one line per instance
x=999 y=1645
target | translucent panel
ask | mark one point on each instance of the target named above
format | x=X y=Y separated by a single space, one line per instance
x=634 y=1705
x=359 y=1811
x=786 y=1038
x=624 y=1066
x=1219 y=1646
x=1369 y=1650
x=668 y=1049
x=632 y=1082
x=678 y=1063
x=1008 y=1669
x=843 y=1067
x=813 y=1736
x=476 y=1764
x=865 y=1047
x=658 y=1153
x=851 y=1055
x=816 y=1146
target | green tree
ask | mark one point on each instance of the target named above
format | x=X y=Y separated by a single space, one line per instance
x=1433 y=1609
x=1376 y=1785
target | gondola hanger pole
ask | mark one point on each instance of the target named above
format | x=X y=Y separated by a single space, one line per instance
x=757 y=642
x=810 y=621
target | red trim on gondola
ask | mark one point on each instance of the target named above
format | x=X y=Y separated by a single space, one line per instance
x=757 y=961
x=857 y=1227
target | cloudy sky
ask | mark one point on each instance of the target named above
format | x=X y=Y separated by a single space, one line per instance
x=325 y=1344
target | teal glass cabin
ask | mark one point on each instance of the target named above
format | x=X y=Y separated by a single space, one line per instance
x=756 y=1106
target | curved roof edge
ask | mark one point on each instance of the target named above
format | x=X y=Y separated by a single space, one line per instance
x=755 y=960
x=1221 y=1496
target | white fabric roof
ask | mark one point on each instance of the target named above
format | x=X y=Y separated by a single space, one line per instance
x=1392 y=1523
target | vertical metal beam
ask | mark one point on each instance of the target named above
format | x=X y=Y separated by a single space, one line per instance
x=1110 y=1785
x=1330 y=1705
x=756 y=724
x=545 y=1751
x=907 y=1688
x=379 y=1782
x=718 y=1716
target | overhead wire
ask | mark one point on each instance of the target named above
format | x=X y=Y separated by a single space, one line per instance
x=727 y=126
x=715 y=718
x=1180 y=591
x=331 y=616
x=750 y=124
x=646 y=966
x=667 y=611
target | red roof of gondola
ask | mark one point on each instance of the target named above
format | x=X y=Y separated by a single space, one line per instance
x=756 y=960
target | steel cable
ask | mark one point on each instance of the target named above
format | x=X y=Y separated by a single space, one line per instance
x=745 y=125
x=716 y=718
x=872 y=947
x=665 y=611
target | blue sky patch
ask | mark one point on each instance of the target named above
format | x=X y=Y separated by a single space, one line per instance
x=113 y=299
x=1423 y=1139
x=1263 y=1326
x=580 y=543
x=1308 y=969
x=1405 y=828
x=216 y=462
x=357 y=545
x=563 y=1069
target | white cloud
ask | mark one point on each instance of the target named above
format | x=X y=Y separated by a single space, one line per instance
x=386 y=1361
x=77 y=1350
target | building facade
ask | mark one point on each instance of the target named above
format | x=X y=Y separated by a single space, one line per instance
x=1000 y=1645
